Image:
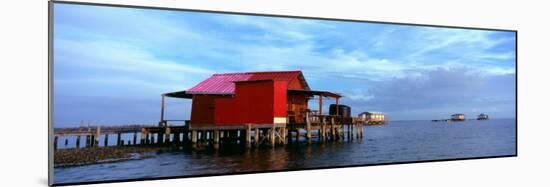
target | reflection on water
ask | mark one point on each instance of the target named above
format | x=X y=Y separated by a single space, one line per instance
x=397 y=142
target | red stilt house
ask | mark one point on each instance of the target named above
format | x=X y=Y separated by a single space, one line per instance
x=260 y=98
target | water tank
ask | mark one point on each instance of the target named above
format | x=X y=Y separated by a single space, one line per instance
x=343 y=110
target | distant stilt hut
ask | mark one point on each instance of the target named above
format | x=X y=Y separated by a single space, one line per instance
x=482 y=116
x=458 y=117
x=373 y=118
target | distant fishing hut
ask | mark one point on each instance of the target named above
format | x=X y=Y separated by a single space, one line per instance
x=373 y=118
x=458 y=117
x=482 y=116
x=266 y=105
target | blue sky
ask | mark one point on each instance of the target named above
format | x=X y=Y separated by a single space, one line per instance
x=111 y=64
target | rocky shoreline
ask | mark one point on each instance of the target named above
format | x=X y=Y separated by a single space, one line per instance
x=96 y=155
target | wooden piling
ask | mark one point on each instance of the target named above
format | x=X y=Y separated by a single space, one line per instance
x=55 y=143
x=272 y=136
x=92 y=141
x=167 y=135
x=256 y=136
x=308 y=127
x=135 y=138
x=283 y=134
x=176 y=136
x=323 y=132
x=216 y=139
x=248 y=135
x=194 y=137
x=106 y=140
x=203 y=135
x=216 y=136
x=97 y=135
x=118 y=138
x=78 y=141
x=142 y=137
x=160 y=137
x=87 y=144
x=332 y=129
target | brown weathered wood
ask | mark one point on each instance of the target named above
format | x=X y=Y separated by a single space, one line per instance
x=248 y=135
x=97 y=135
x=77 y=142
x=118 y=139
x=167 y=135
x=216 y=136
x=106 y=140
x=135 y=138
x=308 y=127
x=272 y=136
x=194 y=136
x=256 y=136
x=321 y=104
x=162 y=109
x=55 y=143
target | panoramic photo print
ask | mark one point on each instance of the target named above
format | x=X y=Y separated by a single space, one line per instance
x=142 y=93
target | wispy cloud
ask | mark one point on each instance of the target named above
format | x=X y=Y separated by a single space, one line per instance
x=121 y=52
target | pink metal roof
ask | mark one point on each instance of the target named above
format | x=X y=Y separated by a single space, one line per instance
x=225 y=83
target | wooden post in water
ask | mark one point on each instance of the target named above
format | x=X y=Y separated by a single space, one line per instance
x=78 y=141
x=118 y=139
x=256 y=136
x=185 y=136
x=106 y=140
x=203 y=136
x=308 y=127
x=135 y=138
x=167 y=135
x=283 y=131
x=272 y=136
x=242 y=136
x=143 y=136
x=97 y=135
x=222 y=134
x=162 y=111
x=55 y=143
x=332 y=132
x=248 y=135
x=194 y=137
x=216 y=139
x=87 y=143
x=323 y=132
x=176 y=136
x=160 y=137
x=216 y=136
x=92 y=140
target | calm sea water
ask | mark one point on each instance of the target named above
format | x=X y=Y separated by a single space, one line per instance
x=399 y=141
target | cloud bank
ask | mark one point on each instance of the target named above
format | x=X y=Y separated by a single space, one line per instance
x=119 y=61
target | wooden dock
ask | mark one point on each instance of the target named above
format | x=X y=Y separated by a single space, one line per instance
x=324 y=127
